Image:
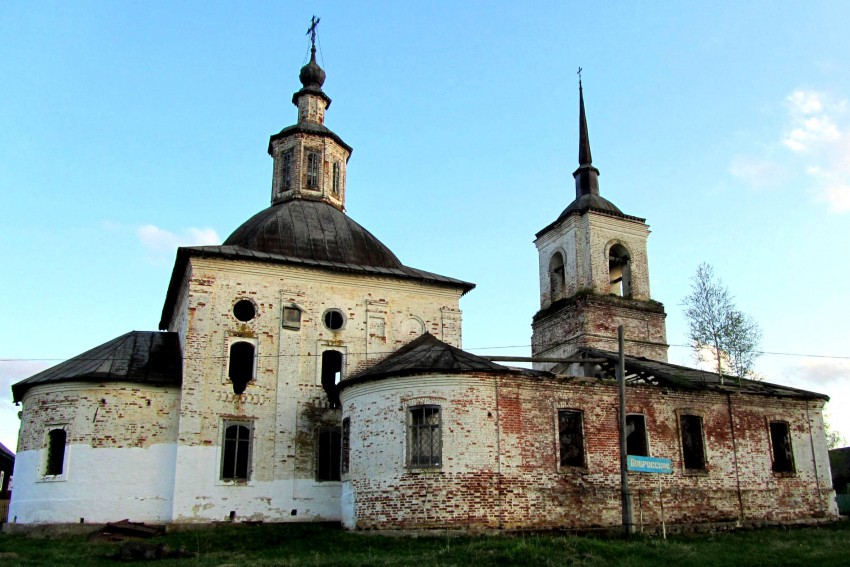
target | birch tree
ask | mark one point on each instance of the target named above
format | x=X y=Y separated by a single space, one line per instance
x=715 y=324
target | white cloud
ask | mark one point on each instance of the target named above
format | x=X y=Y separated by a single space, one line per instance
x=817 y=134
x=12 y=371
x=159 y=241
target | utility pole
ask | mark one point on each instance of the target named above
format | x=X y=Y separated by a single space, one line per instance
x=628 y=523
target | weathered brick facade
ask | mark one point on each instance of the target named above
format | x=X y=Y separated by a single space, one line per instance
x=500 y=448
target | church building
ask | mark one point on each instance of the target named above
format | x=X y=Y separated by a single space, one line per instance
x=302 y=372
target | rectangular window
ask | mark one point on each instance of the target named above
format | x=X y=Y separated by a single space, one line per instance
x=693 y=449
x=636 y=435
x=425 y=437
x=336 y=178
x=327 y=463
x=346 y=445
x=287 y=170
x=780 y=440
x=291 y=318
x=571 y=438
x=313 y=170
x=55 y=462
x=236 y=450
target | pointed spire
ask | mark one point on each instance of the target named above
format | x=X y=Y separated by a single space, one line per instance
x=584 y=157
x=586 y=176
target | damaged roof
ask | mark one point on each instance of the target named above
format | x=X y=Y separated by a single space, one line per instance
x=655 y=372
x=428 y=355
x=145 y=357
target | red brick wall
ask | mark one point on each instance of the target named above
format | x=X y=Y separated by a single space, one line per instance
x=500 y=456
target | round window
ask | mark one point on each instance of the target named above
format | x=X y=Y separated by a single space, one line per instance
x=244 y=310
x=334 y=319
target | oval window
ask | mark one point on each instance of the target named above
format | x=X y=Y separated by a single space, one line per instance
x=244 y=310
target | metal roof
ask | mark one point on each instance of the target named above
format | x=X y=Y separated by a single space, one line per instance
x=429 y=355
x=312 y=230
x=655 y=372
x=145 y=357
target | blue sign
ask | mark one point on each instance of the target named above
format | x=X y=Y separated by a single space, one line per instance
x=635 y=463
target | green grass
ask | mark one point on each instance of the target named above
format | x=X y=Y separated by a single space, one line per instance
x=321 y=545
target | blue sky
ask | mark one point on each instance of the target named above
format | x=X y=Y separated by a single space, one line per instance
x=129 y=128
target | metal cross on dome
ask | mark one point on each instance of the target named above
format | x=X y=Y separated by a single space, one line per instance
x=311 y=31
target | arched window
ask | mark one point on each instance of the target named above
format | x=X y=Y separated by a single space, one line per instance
x=236 y=451
x=331 y=374
x=556 y=276
x=241 y=367
x=55 y=464
x=619 y=271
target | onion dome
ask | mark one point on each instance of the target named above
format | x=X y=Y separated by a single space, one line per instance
x=312 y=76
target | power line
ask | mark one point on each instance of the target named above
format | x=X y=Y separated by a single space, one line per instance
x=311 y=355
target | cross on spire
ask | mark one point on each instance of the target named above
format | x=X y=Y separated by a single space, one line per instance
x=579 y=76
x=311 y=31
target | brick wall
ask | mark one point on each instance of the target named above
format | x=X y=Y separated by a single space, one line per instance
x=500 y=466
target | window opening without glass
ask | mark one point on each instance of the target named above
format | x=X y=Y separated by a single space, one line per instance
x=425 y=438
x=780 y=441
x=571 y=438
x=244 y=310
x=241 y=365
x=636 y=435
x=56 y=439
x=328 y=461
x=557 y=281
x=693 y=448
x=619 y=271
x=331 y=375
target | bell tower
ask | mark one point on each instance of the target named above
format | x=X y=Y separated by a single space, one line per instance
x=594 y=274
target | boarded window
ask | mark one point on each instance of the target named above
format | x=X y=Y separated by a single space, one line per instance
x=313 y=170
x=287 y=170
x=571 y=438
x=425 y=437
x=331 y=375
x=345 y=449
x=236 y=451
x=241 y=365
x=336 y=178
x=327 y=463
x=56 y=439
x=636 y=443
x=780 y=440
x=291 y=318
x=693 y=449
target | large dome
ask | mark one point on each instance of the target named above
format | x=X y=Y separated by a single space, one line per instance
x=312 y=230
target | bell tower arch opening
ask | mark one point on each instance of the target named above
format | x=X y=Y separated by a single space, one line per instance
x=557 y=282
x=619 y=271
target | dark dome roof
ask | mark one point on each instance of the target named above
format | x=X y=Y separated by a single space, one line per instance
x=589 y=201
x=311 y=75
x=312 y=230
